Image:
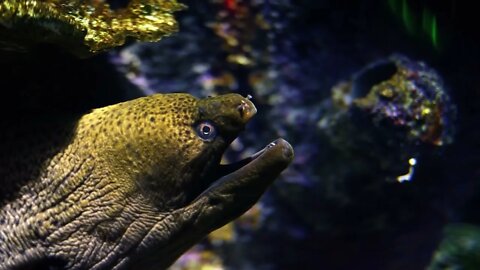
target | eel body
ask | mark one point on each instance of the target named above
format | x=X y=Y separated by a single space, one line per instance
x=128 y=186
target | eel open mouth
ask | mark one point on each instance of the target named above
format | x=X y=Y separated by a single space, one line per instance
x=232 y=189
x=224 y=169
x=257 y=171
x=239 y=186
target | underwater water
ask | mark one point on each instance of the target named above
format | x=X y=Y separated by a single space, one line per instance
x=379 y=99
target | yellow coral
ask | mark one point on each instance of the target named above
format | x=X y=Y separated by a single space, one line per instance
x=92 y=23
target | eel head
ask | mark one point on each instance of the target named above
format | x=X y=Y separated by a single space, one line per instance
x=169 y=153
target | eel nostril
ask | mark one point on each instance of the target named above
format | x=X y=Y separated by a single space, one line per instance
x=242 y=108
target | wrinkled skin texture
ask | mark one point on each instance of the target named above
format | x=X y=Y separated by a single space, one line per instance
x=132 y=185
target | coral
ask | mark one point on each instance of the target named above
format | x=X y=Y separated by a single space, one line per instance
x=84 y=27
x=395 y=108
x=460 y=248
x=413 y=97
x=198 y=258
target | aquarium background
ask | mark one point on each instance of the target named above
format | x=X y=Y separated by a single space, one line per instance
x=379 y=99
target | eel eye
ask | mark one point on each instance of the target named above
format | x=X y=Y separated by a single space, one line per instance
x=206 y=131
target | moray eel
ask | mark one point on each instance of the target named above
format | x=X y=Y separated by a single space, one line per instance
x=128 y=186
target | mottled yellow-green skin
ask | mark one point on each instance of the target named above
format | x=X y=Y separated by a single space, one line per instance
x=152 y=136
x=117 y=185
